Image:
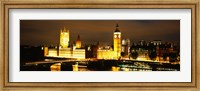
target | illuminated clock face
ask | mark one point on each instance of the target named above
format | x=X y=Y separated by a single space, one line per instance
x=115 y=36
x=119 y=36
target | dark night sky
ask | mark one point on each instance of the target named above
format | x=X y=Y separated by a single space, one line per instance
x=40 y=32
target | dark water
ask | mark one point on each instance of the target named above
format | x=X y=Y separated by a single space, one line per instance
x=98 y=65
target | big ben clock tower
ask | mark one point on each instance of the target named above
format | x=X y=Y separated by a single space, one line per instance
x=117 y=42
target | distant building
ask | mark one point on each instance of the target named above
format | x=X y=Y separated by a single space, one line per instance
x=65 y=50
x=157 y=42
x=142 y=43
x=91 y=50
x=143 y=54
x=46 y=51
x=78 y=53
x=156 y=50
x=105 y=53
x=141 y=50
x=125 y=47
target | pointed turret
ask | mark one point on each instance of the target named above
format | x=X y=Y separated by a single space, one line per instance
x=117 y=28
x=65 y=29
x=78 y=42
x=117 y=25
x=78 y=38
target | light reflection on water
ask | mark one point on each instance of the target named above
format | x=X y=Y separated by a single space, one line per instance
x=66 y=65
x=56 y=67
x=76 y=67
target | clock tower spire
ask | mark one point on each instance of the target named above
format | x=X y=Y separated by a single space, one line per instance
x=117 y=42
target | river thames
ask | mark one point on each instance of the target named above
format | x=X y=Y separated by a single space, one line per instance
x=98 y=65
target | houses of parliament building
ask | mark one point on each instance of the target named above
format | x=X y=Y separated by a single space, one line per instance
x=76 y=50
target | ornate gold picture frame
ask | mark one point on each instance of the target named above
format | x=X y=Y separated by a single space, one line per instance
x=110 y=4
